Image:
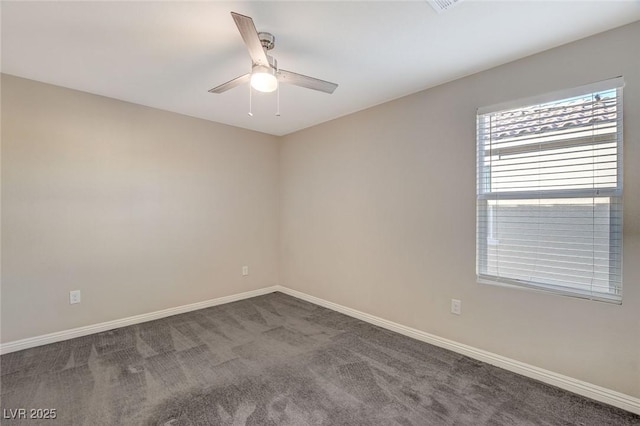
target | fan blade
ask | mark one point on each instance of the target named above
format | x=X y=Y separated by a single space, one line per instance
x=231 y=84
x=251 y=40
x=289 y=77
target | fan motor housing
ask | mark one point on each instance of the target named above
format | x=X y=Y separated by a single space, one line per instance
x=273 y=63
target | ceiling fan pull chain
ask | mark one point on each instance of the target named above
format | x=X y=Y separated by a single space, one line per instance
x=250 y=113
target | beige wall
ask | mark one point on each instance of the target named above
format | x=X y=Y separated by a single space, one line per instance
x=378 y=214
x=138 y=208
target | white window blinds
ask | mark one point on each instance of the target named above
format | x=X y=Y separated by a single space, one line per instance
x=549 y=192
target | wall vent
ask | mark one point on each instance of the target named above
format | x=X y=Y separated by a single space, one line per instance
x=443 y=5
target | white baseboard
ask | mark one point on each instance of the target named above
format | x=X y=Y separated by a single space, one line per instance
x=18 y=345
x=598 y=393
x=589 y=390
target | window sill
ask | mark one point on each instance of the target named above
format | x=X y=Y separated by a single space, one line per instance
x=577 y=294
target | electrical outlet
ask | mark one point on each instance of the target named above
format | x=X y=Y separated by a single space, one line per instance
x=245 y=271
x=74 y=297
x=456 y=306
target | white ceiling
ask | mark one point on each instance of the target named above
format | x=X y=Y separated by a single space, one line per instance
x=168 y=54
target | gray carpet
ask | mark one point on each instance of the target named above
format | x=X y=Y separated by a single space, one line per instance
x=276 y=360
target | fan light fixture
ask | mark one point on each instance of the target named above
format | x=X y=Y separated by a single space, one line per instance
x=263 y=78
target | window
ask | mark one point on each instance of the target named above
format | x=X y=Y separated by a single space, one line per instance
x=549 y=192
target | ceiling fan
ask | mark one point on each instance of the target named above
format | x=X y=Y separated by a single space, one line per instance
x=265 y=74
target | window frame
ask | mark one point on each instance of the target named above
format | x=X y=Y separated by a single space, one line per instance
x=614 y=194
